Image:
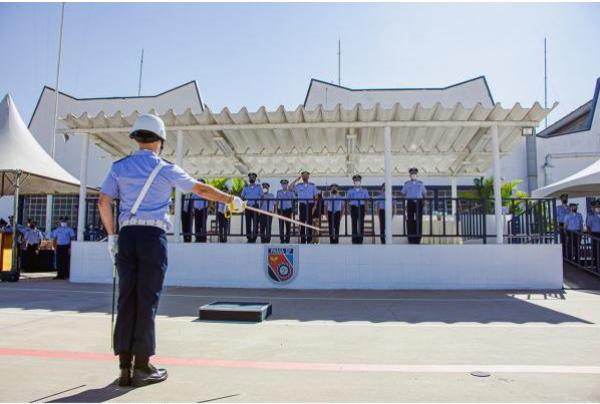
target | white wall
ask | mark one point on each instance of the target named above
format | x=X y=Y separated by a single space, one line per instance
x=526 y=267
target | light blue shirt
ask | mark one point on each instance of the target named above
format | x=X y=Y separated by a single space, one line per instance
x=357 y=196
x=561 y=212
x=268 y=202
x=335 y=203
x=286 y=198
x=33 y=236
x=127 y=177
x=252 y=192
x=414 y=189
x=63 y=235
x=306 y=192
x=220 y=207
x=199 y=203
x=593 y=222
x=574 y=221
x=379 y=203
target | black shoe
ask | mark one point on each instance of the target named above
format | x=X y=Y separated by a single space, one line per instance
x=125 y=378
x=150 y=375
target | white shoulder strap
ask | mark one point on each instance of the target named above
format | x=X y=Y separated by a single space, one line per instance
x=146 y=187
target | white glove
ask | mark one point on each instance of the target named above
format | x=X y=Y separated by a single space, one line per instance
x=113 y=246
x=238 y=204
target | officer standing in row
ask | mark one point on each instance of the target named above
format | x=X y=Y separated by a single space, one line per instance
x=414 y=191
x=335 y=212
x=357 y=197
x=251 y=193
x=187 y=211
x=144 y=182
x=380 y=211
x=267 y=203
x=222 y=223
x=305 y=192
x=562 y=210
x=284 y=206
x=61 y=239
x=573 y=228
x=592 y=224
x=33 y=238
x=200 y=216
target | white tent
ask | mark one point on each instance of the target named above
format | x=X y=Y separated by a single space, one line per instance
x=21 y=153
x=583 y=183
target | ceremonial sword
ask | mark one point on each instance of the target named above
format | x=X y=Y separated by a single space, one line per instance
x=275 y=215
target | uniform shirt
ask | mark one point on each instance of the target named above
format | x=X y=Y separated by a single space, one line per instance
x=199 y=203
x=306 y=192
x=357 y=196
x=573 y=221
x=220 y=207
x=414 y=189
x=127 y=177
x=335 y=203
x=33 y=236
x=267 y=202
x=252 y=192
x=593 y=222
x=379 y=203
x=561 y=212
x=286 y=197
x=63 y=235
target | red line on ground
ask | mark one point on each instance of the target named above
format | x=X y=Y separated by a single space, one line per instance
x=305 y=366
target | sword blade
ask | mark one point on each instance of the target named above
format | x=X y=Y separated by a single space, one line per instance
x=284 y=218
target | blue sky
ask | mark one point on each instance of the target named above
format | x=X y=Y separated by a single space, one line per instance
x=266 y=54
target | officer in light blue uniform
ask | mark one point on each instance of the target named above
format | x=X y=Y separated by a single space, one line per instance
x=335 y=205
x=62 y=237
x=200 y=206
x=592 y=224
x=306 y=193
x=140 y=250
x=252 y=193
x=284 y=207
x=357 y=197
x=33 y=238
x=222 y=223
x=267 y=203
x=379 y=205
x=573 y=227
x=414 y=191
x=562 y=210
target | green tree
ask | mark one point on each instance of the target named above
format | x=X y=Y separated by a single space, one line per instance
x=512 y=196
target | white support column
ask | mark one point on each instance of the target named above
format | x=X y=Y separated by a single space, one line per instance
x=453 y=193
x=179 y=160
x=387 y=156
x=83 y=169
x=48 y=226
x=497 y=181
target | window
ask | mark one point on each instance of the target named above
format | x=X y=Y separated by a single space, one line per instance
x=34 y=208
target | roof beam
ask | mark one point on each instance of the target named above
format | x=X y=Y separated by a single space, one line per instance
x=225 y=146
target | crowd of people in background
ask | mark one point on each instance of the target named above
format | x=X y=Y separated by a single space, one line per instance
x=304 y=198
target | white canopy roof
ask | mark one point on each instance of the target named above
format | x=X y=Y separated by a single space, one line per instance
x=583 y=183
x=21 y=152
x=439 y=140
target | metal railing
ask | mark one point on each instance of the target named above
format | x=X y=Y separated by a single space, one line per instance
x=582 y=250
x=443 y=220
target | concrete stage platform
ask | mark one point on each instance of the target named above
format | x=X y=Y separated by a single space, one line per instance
x=339 y=267
x=334 y=346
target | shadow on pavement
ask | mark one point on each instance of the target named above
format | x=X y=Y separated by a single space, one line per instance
x=102 y=394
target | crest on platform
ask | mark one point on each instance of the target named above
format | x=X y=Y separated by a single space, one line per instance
x=281 y=263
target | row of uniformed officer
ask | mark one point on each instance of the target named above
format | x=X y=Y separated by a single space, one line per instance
x=573 y=222
x=140 y=251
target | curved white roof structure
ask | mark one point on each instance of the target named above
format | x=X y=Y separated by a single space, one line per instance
x=583 y=183
x=438 y=139
x=21 y=152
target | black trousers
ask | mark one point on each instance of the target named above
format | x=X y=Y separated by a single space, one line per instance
x=251 y=226
x=357 y=214
x=333 y=219
x=264 y=224
x=186 y=226
x=382 y=225
x=573 y=241
x=306 y=217
x=563 y=238
x=596 y=250
x=141 y=264
x=200 y=216
x=63 y=261
x=285 y=228
x=414 y=220
x=29 y=256
x=223 y=227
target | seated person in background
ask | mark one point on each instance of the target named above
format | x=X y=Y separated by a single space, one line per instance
x=266 y=203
